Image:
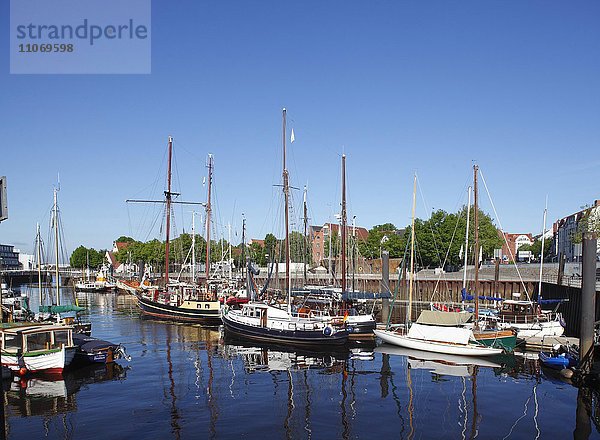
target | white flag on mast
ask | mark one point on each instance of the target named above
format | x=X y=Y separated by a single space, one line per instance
x=292 y=137
x=460 y=254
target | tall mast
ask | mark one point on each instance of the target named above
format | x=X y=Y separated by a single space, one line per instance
x=286 y=193
x=467 y=239
x=55 y=209
x=330 y=250
x=344 y=221
x=476 y=253
x=208 y=210
x=353 y=251
x=243 y=264
x=229 y=250
x=168 y=208
x=193 y=247
x=412 y=250
x=542 y=251
x=38 y=246
x=305 y=259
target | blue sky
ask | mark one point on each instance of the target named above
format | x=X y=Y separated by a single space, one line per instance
x=425 y=86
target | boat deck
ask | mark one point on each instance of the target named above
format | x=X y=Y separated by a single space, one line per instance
x=536 y=343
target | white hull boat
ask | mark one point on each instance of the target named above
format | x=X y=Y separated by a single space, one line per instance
x=37 y=348
x=438 y=339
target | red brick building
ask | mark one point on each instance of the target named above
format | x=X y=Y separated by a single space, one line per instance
x=319 y=238
x=511 y=244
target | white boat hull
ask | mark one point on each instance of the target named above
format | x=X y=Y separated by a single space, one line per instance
x=436 y=347
x=47 y=362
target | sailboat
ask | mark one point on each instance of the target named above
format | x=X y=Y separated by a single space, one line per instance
x=359 y=325
x=177 y=301
x=491 y=335
x=526 y=316
x=262 y=321
x=439 y=332
x=42 y=347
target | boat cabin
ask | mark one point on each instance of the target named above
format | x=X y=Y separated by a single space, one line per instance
x=28 y=338
x=513 y=307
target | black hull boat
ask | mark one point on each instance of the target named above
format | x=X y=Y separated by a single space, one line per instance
x=264 y=323
x=92 y=350
x=199 y=312
x=304 y=338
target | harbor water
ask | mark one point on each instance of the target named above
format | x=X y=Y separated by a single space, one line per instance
x=189 y=382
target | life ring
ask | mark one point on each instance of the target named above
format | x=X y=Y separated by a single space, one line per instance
x=208 y=296
x=328 y=330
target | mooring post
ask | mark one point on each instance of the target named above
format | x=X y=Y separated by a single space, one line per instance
x=385 y=285
x=496 y=274
x=561 y=270
x=588 y=300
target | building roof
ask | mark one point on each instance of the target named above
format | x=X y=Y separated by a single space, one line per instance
x=112 y=259
x=120 y=245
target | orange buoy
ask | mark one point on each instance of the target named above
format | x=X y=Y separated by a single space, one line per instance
x=22 y=371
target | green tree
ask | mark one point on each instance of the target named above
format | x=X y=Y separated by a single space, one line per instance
x=78 y=257
x=257 y=254
x=440 y=237
x=270 y=245
x=536 y=248
x=82 y=257
x=382 y=237
x=299 y=252
x=124 y=239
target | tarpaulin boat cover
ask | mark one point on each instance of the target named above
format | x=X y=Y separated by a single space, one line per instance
x=61 y=309
x=468 y=297
x=447 y=319
x=89 y=344
x=435 y=333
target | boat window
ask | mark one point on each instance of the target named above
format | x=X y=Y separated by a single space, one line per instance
x=12 y=341
x=61 y=338
x=39 y=341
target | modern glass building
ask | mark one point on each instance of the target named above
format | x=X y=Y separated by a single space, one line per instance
x=9 y=259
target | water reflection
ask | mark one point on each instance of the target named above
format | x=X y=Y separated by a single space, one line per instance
x=274 y=358
x=52 y=395
x=187 y=381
